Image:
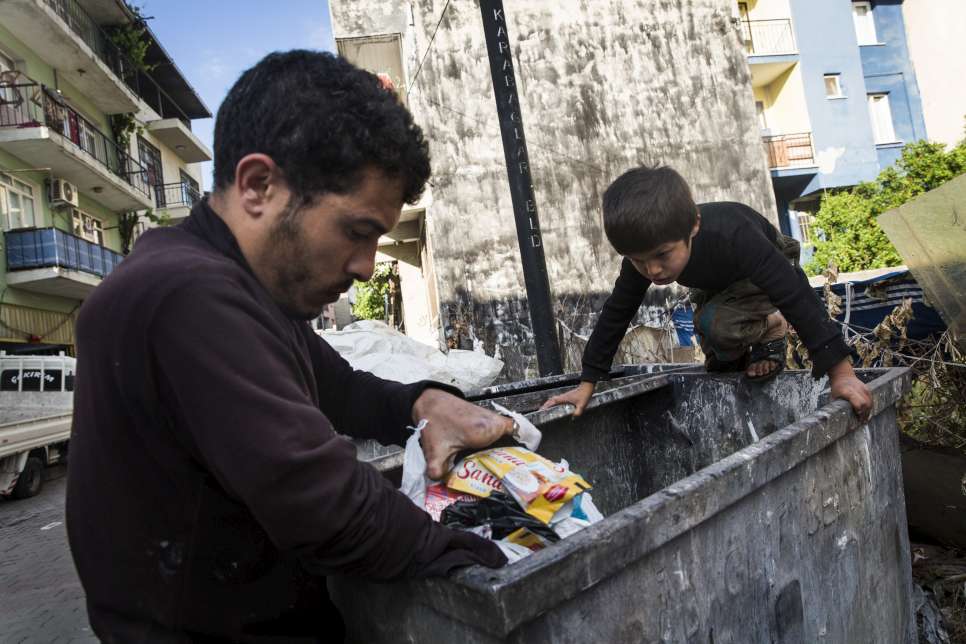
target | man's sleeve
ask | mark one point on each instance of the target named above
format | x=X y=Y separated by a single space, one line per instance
x=618 y=311
x=362 y=405
x=236 y=389
x=788 y=289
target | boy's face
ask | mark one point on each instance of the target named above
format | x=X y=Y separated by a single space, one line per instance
x=665 y=263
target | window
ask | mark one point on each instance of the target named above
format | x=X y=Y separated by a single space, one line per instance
x=833 y=86
x=190 y=190
x=760 y=109
x=87 y=140
x=881 y=116
x=151 y=158
x=88 y=227
x=16 y=203
x=805 y=221
x=864 y=24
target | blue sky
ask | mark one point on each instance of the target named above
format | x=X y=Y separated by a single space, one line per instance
x=213 y=42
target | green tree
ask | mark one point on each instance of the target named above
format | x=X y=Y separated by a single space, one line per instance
x=371 y=296
x=849 y=235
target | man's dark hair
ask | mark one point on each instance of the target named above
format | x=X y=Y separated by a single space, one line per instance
x=646 y=207
x=322 y=121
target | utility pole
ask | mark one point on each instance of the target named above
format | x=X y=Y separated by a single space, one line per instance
x=521 y=187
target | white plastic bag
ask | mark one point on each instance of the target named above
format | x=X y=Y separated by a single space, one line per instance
x=372 y=346
x=414 y=479
x=578 y=513
x=525 y=433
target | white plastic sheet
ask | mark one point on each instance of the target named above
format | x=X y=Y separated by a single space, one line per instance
x=372 y=346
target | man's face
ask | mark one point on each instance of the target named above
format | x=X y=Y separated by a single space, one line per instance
x=665 y=263
x=312 y=255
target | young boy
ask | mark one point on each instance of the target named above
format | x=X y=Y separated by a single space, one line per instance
x=745 y=283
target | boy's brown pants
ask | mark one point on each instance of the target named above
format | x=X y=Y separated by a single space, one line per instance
x=728 y=322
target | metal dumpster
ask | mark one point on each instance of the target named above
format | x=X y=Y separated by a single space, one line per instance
x=735 y=512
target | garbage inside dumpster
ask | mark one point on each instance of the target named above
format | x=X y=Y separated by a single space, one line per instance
x=498 y=511
x=512 y=495
x=540 y=486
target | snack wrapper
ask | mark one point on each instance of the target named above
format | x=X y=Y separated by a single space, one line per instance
x=540 y=486
x=470 y=476
x=439 y=497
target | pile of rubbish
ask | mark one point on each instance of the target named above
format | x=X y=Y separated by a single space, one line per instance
x=512 y=495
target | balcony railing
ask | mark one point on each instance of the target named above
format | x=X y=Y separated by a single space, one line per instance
x=175 y=195
x=82 y=24
x=50 y=247
x=786 y=150
x=32 y=105
x=768 y=37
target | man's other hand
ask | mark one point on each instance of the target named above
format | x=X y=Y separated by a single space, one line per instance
x=454 y=425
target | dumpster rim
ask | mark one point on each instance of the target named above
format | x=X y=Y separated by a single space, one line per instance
x=488 y=594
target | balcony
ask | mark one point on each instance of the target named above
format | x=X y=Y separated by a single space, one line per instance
x=771 y=48
x=768 y=37
x=173 y=133
x=52 y=262
x=177 y=199
x=38 y=127
x=66 y=37
x=789 y=151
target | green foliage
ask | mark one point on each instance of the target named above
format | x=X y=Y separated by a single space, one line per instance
x=371 y=296
x=123 y=126
x=127 y=223
x=849 y=235
x=131 y=40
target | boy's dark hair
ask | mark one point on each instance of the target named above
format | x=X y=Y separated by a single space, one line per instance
x=322 y=121
x=646 y=207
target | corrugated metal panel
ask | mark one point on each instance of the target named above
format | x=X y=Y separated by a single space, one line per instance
x=18 y=323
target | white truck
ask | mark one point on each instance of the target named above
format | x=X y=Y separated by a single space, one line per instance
x=36 y=406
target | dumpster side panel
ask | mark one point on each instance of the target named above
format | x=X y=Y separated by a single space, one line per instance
x=818 y=554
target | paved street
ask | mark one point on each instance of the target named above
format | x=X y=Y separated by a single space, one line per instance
x=41 y=598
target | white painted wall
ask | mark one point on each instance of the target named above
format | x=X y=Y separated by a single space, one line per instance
x=936 y=33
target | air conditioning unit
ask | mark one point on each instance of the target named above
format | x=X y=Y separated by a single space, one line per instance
x=62 y=193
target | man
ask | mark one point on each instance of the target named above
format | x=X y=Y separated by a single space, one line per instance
x=208 y=490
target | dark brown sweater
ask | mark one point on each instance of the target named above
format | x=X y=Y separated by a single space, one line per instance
x=208 y=489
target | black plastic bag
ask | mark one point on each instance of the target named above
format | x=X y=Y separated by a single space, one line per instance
x=500 y=511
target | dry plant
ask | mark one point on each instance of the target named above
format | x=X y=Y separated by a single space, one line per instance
x=934 y=411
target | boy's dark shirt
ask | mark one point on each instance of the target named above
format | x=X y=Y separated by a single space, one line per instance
x=207 y=490
x=734 y=243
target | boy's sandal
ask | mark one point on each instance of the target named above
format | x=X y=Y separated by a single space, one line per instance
x=773 y=351
x=713 y=364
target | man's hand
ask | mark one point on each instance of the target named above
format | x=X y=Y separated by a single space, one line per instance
x=845 y=385
x=454 y=425
x=578 y=397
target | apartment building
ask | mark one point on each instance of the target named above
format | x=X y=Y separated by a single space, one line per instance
x=93 y=139
x=836 y=95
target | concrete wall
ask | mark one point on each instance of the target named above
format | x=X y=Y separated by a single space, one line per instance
x=604 y=86
x=935 y=32
x=842 y=134
x=888 y=69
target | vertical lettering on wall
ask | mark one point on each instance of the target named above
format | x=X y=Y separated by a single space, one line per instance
x=526 y=218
